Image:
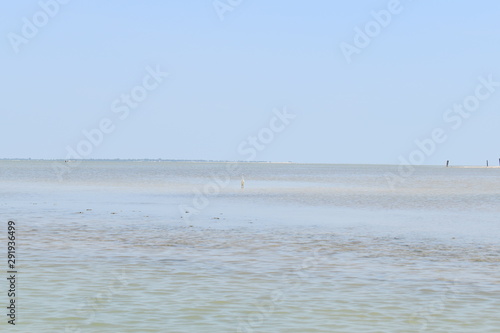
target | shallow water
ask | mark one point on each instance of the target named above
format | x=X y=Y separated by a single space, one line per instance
x=180 y=247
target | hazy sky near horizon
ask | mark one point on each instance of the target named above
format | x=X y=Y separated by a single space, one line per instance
x=416 y=67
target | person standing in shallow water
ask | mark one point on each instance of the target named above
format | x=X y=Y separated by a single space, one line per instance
x=242 y=182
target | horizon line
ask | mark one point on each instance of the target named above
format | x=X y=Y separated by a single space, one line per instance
x=227 y=161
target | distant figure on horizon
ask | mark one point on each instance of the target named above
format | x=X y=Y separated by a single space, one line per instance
x=447 y=163
x=242 y=182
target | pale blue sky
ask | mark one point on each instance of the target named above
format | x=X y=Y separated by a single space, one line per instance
x=226 y=77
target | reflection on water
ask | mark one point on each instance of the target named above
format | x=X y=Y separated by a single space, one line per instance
x=304 y=248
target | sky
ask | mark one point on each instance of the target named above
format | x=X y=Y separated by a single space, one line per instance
x=369 y=82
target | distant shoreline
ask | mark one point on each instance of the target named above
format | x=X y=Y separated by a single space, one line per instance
x=475 y=167
x=225 y=161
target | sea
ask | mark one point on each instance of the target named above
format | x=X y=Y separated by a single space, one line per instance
x=162 y=246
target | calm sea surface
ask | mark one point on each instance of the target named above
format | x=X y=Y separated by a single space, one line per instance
x=180 y=247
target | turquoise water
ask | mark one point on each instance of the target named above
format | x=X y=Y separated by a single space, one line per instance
x=180 y=247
